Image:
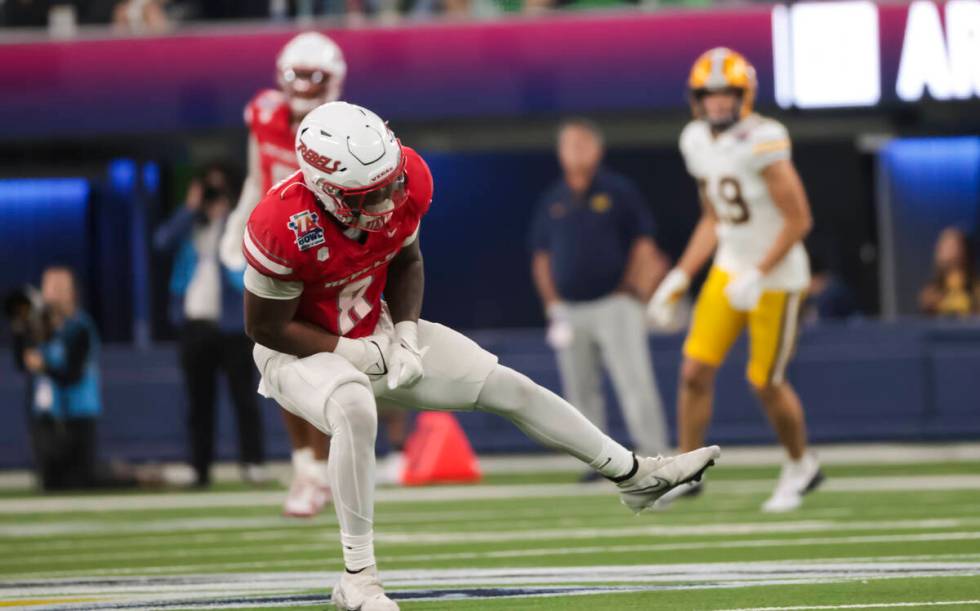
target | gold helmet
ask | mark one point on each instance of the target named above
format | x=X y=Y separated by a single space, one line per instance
x=721 y=69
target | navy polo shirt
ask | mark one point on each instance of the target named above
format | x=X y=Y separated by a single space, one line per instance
x=589 y=237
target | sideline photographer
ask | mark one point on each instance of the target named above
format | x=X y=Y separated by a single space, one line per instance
x=57 y=345
x=206 y=306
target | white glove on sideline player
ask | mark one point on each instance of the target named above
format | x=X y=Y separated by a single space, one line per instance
x=404 y=358
x=661 y=309
x=560 y=331
x=366 y=354
x=744 y=290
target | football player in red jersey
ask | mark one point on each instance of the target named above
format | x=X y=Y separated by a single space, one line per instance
x=322 y=247
x=310 y=71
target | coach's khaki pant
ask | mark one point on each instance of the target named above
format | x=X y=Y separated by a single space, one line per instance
x=613 y=329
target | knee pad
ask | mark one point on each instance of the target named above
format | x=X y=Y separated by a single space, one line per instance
x=351 y=407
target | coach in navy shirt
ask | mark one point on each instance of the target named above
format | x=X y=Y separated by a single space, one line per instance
x=595 y=263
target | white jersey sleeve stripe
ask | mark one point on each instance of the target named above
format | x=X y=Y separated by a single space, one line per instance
x=256 y=253
x=270 y=288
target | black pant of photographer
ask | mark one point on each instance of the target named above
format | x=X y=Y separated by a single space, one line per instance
x=204 y=350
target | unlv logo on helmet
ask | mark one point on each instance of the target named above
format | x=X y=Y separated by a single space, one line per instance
x=318 y=161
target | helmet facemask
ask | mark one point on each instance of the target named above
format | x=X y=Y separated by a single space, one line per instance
x=368 y=208
x=719 y=124
x=307 y=88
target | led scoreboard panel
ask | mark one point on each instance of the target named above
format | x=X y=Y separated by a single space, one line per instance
x=852 y=54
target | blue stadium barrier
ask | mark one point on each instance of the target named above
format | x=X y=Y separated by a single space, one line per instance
x=860 y=381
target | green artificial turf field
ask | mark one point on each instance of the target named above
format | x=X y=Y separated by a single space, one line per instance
x=876 y=536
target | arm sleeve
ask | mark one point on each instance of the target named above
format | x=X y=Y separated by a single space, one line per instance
x=271 y=288
x=173 y=230
x=770 y=143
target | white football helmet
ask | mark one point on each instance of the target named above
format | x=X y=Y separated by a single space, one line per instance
x=310 y=70
x=353 y=164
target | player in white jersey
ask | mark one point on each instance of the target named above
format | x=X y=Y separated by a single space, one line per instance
x=755 y=215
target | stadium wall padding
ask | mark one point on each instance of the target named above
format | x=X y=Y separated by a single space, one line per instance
x=906 y=381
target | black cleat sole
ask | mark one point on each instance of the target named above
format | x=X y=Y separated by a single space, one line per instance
x=697 y=476
x=815 y=482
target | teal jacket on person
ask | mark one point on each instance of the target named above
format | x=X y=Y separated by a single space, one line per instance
x=69 y=386
x=176 y=235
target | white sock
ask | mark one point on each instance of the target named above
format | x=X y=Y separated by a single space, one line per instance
x=358 y=550
x=317 y=471
x=552 y=421
x=302 y=459
x=614 y=460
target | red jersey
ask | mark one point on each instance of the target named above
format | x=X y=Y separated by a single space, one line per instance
x=290 y=236
x=269 y=120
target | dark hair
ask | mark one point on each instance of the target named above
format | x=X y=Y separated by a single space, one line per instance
x=231 y=176
x=583 y=123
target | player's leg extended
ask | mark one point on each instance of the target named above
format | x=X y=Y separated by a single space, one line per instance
x=461 y=375
x=578 y=366
x=772 y=332
x=622 y=333
x=714 y=328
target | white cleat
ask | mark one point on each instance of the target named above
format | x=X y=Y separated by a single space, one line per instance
x=362 y=592
x=306 y=498
x=689 y=490
x=796 y=479
x=656 y=475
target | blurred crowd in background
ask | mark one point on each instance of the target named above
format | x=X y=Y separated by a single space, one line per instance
x=155 y=16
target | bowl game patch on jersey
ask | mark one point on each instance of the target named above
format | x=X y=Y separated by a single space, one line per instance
x=308 y=232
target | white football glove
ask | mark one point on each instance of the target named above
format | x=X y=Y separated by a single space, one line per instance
x=560 y=331
x=404 y=358
x=744 y=290
x=663 y=305
x=366 y=354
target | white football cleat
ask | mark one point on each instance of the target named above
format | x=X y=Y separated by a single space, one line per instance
x=306 y=498
x=689 y=490
x=796 y=479
x=362 y=591
x=657 y=475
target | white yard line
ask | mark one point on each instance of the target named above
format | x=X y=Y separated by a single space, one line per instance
x=392 y=558
x=743 y=456
x=424 y=578
x=517 y=532
x=283 y=589
x=178 y=500
x=669 y=547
